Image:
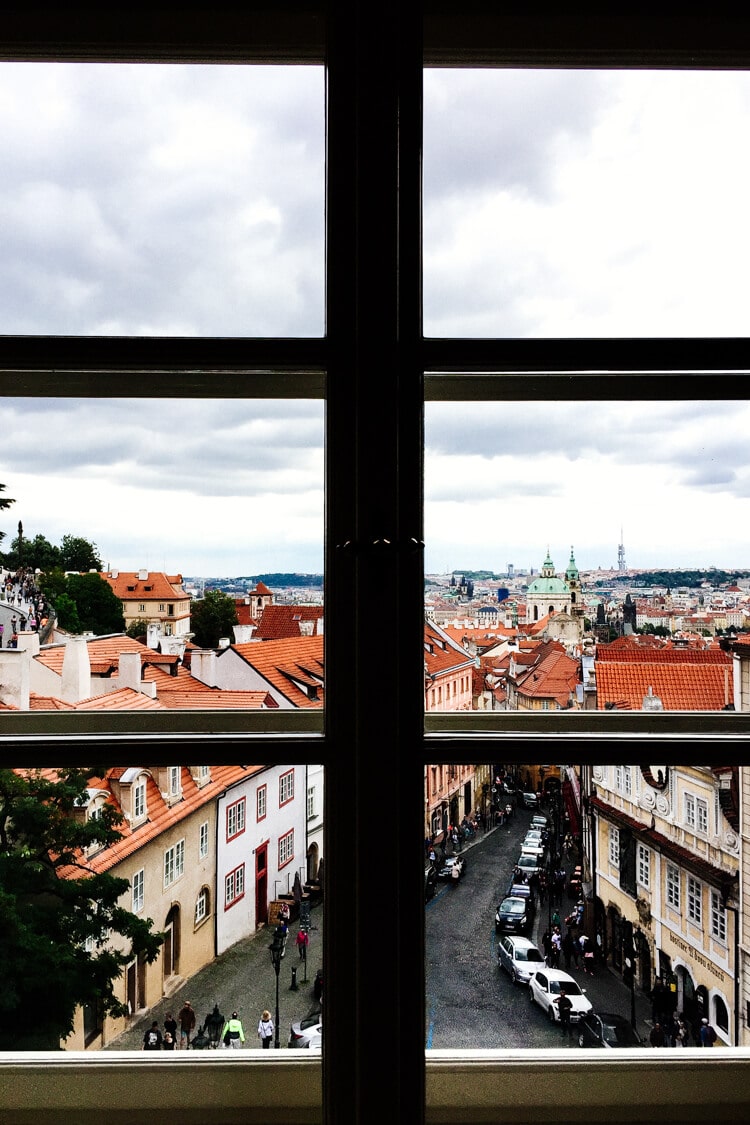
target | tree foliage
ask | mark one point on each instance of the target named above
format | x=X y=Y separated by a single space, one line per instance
x=212 y=617
x=5 y=503
x=99 y=608
x=74 y=553
x=58 y=917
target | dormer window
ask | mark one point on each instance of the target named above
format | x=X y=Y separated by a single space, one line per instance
x=174 y=781
x=139 y=800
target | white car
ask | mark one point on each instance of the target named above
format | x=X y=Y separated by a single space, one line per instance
x=308 y=1032
x=529 y=863
x=544 y=990
x=519 y=957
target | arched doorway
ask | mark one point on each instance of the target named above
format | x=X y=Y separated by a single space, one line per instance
x=643 y=959
x=313 y=853
x=171 y=947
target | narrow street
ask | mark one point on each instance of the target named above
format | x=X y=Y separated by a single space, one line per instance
x=471 y=1003
x=243 y=980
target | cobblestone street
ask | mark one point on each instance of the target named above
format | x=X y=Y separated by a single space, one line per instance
x=243 y=980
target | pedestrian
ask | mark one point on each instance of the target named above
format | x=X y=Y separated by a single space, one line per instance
x=658 y=997
x=152 y=1038
x=214 y=1024
x=707 y=1034
x=168 y=1041
x=556 y=947
x=587 y=953
x=302 y=941
x=170 y=1026
x=682 y=1032
x=656 y=1037
x=265 y=1028
x=234 y=1035
x=564 y=1004
x=547 y=948
x=568 y=945
x=186 y=1019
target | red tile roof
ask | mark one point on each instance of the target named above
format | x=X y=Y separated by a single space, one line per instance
x=278 y=621
x=282 y=662
x=681 y=685
x=157 y=586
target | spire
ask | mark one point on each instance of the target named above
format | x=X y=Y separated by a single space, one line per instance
x=572 y=572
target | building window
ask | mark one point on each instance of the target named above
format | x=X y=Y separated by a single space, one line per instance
x=721 y=1015
x=139 y=799
x=261 y=802
x=174 y=863
x=202 y=905
x=138 y=891
x=203 y=841
x=673 y=886
x=696 y=814
x=623 y=781
x=644 y=866
x=614 y=846
x=141 y=607
x=286 y=788
x=310 y=802
x=234 y=886
x=286 y=848
x=174 y=780
x=694 y=901
x=718 y=918
x=235 y=819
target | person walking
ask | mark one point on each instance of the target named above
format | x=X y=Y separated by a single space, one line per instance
x=564 y=1004
x=170 y=1026
x=302 y=941
x=152 y=1038
x=657 y=1037
x=234 y=1035
x=186 y=1019
x=214 y=1024
x=707 y=1034
x=265 y=1028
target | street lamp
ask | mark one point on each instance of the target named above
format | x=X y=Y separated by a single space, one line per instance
x=276 y=949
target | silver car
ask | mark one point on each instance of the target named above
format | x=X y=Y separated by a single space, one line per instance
x=519 y=957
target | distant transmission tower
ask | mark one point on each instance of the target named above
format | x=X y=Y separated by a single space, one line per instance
x=621 y=554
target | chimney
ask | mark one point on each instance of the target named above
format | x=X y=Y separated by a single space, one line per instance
x=203 y=666
x=14 y=678
x=129 y=670
x=76 y=671
x=142 y=574
x=243 y=634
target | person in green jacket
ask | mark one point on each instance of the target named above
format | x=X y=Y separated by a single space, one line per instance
x=233 y=1034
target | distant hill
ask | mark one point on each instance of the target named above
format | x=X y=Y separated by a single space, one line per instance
x=282 y=579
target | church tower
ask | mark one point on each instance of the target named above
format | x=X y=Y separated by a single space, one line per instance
x=573 y=578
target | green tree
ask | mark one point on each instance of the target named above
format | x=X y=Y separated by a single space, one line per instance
x=78 y=554
x=138 y=628
x=37 y=553
x=66 y=613
x=5 y=503
x=212 y=617
x=99 y=608
x=57 y=915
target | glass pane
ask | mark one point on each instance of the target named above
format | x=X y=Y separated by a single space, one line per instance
x=149 y=546
x=585 y=203
x=217 y=864
x=162 y=200
x=584 y=581
x=632 y=903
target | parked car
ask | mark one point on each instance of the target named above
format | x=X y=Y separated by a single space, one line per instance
x=606 y=1029
x=307 y=1031
x=544 y=989
x=445 y=869
x=539 y=820
x=519 y=957
x=430 y=881
x=529 y=863
x=533 y=844
x=529 y=800
x=515 y=914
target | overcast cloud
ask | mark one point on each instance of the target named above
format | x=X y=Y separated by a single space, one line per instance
x=172 y=200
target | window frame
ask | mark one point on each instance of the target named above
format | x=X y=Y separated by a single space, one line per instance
x=375 y=358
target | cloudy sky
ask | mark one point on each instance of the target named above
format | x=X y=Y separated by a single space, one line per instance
x=169 y=200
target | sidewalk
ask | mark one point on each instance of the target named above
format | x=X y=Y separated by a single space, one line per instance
x=243 y=980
